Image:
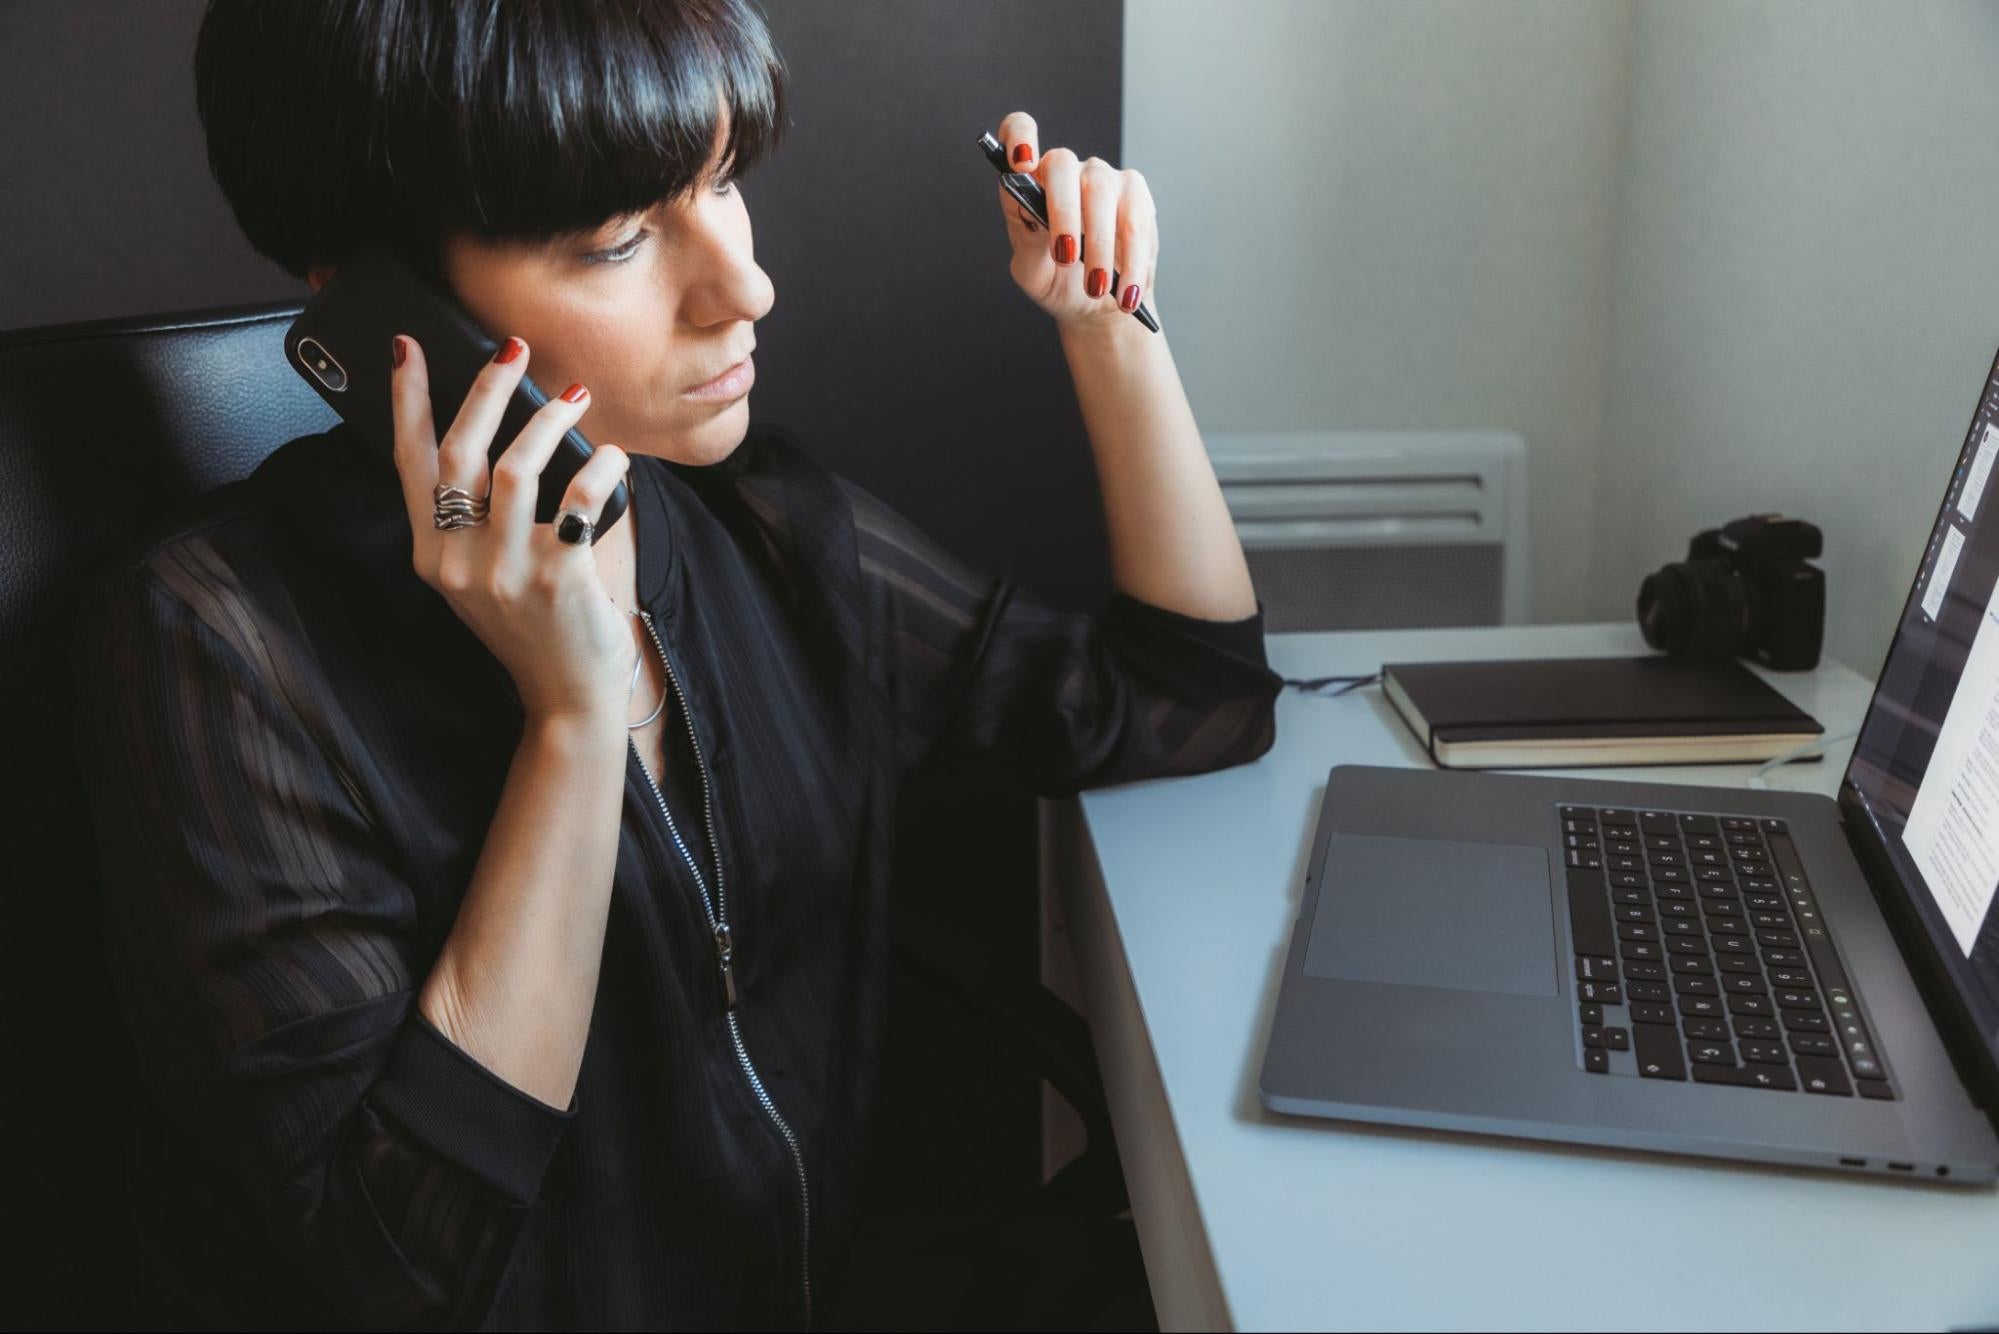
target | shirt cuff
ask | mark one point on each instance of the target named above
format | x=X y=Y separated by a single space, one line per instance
x=1206 y=659
x=1243 y=638
x=436 y=1092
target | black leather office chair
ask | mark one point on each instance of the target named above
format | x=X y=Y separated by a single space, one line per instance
x=105 y=428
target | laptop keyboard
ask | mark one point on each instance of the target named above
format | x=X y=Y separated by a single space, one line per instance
x=1700 y=951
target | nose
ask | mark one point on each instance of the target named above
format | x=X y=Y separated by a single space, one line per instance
x=729 y=284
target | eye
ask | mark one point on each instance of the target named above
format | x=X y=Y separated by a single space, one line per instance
x=618 y=253
x=625 y=249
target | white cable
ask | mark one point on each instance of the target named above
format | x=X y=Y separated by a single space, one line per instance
x=1817 y=744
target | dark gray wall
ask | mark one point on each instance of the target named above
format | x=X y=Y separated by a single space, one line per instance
x=109 y=209
x=898 y=346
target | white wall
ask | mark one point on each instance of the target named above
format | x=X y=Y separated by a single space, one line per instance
x=1391 y=215
x=1807 y=286
x=1708 y=256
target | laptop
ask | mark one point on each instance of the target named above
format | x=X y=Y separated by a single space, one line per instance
x=1775 y=977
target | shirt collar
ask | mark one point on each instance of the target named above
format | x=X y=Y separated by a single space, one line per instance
x=657 y=553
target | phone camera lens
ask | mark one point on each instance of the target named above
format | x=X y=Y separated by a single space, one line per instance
x=322 y=365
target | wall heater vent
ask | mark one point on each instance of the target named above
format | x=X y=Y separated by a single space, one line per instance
x=1349 y=530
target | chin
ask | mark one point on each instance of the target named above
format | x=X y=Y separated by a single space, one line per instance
x=715 y=439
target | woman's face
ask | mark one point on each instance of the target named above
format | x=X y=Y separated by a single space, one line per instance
x=640 y=310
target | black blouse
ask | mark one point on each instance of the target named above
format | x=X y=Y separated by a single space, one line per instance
x=294 y=750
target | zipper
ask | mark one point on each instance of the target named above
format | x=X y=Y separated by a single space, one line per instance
x=718 y=923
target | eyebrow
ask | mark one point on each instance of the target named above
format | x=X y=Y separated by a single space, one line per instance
x=724 y=124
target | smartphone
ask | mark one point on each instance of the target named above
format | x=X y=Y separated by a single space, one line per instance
x=340 y=344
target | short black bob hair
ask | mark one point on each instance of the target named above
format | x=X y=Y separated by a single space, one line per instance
x=333 y=125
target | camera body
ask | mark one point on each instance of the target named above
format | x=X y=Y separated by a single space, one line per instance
x=1746 y=588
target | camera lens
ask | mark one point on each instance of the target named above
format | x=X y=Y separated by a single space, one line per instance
x=321 y=365
x=1695 y=607
x=1662 y=610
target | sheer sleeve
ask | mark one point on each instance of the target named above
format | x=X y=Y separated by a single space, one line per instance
x=980 y=674
x=261 y=940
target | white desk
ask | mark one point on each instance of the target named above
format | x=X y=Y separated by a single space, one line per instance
x=1177 y=898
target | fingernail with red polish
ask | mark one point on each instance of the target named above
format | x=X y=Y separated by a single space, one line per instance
x=576 y=393
x=1065 y=249
x=1096 y=282
x=510 y=349
x=1023 y=153
x=1129 y=301
x=397 y=350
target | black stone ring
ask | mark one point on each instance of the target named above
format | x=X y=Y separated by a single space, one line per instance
x=575 y=528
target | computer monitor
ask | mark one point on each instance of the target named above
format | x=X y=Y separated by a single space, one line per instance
x=1921 y=793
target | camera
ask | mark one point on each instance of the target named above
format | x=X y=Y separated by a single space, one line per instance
x=1745 y=588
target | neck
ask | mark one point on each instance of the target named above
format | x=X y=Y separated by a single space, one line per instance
x=617 y=561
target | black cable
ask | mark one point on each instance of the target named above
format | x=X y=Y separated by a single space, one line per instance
x=1350 y=683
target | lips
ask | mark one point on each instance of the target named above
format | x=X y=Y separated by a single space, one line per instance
x=696 y=388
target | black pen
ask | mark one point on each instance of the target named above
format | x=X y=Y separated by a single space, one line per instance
x=1027 y=192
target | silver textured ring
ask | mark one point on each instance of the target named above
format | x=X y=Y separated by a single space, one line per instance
x=455 y=507
x=575 y=528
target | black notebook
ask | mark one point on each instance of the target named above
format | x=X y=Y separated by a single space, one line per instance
x=1526 y=713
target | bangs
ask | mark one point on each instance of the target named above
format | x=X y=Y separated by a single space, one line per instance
x=340 y=124
x=567 y=114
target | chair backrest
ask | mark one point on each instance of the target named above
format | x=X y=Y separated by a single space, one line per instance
x=105 y=428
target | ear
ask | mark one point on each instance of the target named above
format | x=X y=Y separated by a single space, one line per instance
x=318 y=273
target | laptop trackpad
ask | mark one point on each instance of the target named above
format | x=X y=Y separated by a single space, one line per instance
x=1435 y=913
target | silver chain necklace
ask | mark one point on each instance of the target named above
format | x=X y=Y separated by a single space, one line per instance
x=637 y=663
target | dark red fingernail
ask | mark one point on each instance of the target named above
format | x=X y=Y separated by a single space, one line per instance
x=1023 y=153
x=397 y=350
x=510 y=349
x=1096 y=282
x=576 y=393
x=1065 y=249
x=1129 y=301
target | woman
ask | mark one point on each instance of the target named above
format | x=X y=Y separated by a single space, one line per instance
x=500 y=919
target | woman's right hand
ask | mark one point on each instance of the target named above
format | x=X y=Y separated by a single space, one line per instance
x=538 y=603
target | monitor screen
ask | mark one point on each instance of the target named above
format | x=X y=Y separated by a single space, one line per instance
x=1925 y=769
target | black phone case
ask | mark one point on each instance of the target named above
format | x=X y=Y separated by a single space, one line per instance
x=340 y=344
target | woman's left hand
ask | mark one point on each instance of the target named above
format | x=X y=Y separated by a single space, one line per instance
x=1100 y=222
